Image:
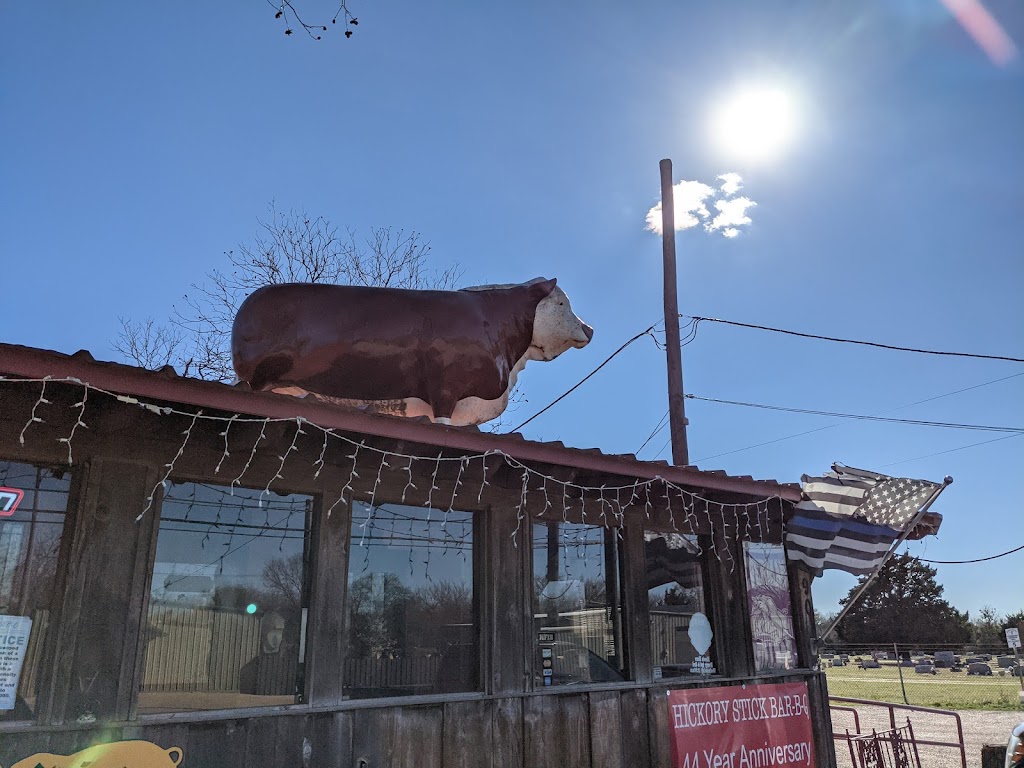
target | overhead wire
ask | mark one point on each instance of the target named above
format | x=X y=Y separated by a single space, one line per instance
x=646 y=332
x=975 y=560
x=861 y=417
x=950 y=450
x=890 y=410
x=856 y=341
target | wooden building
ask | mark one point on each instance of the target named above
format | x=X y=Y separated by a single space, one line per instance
x=259 y=580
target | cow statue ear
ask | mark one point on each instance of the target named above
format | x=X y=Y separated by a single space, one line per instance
x=542 y=288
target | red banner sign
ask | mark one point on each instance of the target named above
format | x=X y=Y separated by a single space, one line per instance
x=10 y=498
x=748 y=726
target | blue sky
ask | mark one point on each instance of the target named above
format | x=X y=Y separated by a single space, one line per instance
x=142 y=141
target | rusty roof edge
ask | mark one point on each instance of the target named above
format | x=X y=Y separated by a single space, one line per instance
x=31 y=363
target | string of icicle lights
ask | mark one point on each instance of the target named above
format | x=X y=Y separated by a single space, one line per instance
x=609 y=507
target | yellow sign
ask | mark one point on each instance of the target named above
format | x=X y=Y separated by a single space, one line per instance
x=119 y=754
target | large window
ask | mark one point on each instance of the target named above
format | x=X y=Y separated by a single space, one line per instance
x=227 y=606
x=412 y=616
x=33 y=503
x=682 y=640
x=577 y=599
x=771 y=616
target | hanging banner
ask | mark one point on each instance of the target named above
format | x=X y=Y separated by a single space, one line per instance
x=742 y=726
x=14 y=632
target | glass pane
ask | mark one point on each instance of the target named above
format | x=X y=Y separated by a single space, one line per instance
x=771 y=616
x=682 y=642
x=577 y=598
x=412 y=626
x=227 y=607
x=29 y=549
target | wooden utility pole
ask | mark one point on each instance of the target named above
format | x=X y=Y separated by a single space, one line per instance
x=673 y=350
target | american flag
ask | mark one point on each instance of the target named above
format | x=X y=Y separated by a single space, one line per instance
x=849 y=518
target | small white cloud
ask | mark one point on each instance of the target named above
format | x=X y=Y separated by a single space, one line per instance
x=731 y=183
x=689 y=197
x=732 y=214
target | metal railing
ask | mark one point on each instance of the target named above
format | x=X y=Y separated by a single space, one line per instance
x=959 y=744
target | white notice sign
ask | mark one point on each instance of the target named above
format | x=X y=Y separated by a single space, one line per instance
x=1013 y=638
x=14 y=631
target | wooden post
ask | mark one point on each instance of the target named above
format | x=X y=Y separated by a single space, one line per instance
x=673 y=351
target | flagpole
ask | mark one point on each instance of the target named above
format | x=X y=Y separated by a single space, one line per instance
x=892 y=550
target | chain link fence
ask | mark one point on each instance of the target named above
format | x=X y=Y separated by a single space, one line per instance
x=940 y=676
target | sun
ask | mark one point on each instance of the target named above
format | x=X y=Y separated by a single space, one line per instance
x=755 y=123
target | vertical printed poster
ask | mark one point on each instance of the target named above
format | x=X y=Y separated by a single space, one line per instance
x=14 y=632
x=771 y=615
x=742 y=726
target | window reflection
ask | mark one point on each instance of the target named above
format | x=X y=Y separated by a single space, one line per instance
x=412 y=626
x=30 y=537
x=227 y=606
x=577 y=597
x=676 y=595
x=771 y=616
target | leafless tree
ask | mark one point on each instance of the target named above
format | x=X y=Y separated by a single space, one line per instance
x=149 y=345
x=291 y=247
x=287 y=12
x=283 y=578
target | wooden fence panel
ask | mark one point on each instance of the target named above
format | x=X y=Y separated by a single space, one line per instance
x=398 y=738
x=468 y=733
x=636 y=740
x=557 y=731
x=606 y=730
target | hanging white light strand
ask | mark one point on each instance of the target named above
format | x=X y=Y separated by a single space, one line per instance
x=224 y=434
x=78 y=419
x=299 y=420
x=252 y=455
x=608 y=497
x=162 y=483
x=33 y=419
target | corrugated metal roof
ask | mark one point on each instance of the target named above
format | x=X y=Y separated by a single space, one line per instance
x=165 y=384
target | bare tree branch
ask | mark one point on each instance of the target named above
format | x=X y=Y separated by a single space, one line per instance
x=148 y=345
x=289 y=247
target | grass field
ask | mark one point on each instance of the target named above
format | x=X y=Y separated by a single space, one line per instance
x=944 y=690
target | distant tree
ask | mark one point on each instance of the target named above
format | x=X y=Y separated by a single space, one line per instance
x=1010 y=621
x=822 y=621
x=291 y=247
x=903 y=604
x=987 y=628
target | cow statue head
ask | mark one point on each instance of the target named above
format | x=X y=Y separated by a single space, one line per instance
x=556 y=327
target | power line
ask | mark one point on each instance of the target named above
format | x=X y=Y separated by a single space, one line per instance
x=645 y=332
x=658 y=427
x=854 y=341
x=976 y=560
x=890 y=410
x=951 y=450
x=862 y=417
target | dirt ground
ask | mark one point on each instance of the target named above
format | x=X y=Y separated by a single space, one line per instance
x=980 y=727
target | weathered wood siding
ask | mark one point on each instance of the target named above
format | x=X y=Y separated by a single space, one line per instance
x=96 y=635
x=595 y=729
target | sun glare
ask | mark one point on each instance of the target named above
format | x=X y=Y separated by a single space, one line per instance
x=755 y=123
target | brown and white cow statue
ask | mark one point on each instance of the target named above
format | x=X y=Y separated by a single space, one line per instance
x=453 y=356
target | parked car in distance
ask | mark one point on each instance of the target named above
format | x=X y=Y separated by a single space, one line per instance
x=869 y=664
x=979 y=668
x=925 y=669
x=908 y=663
